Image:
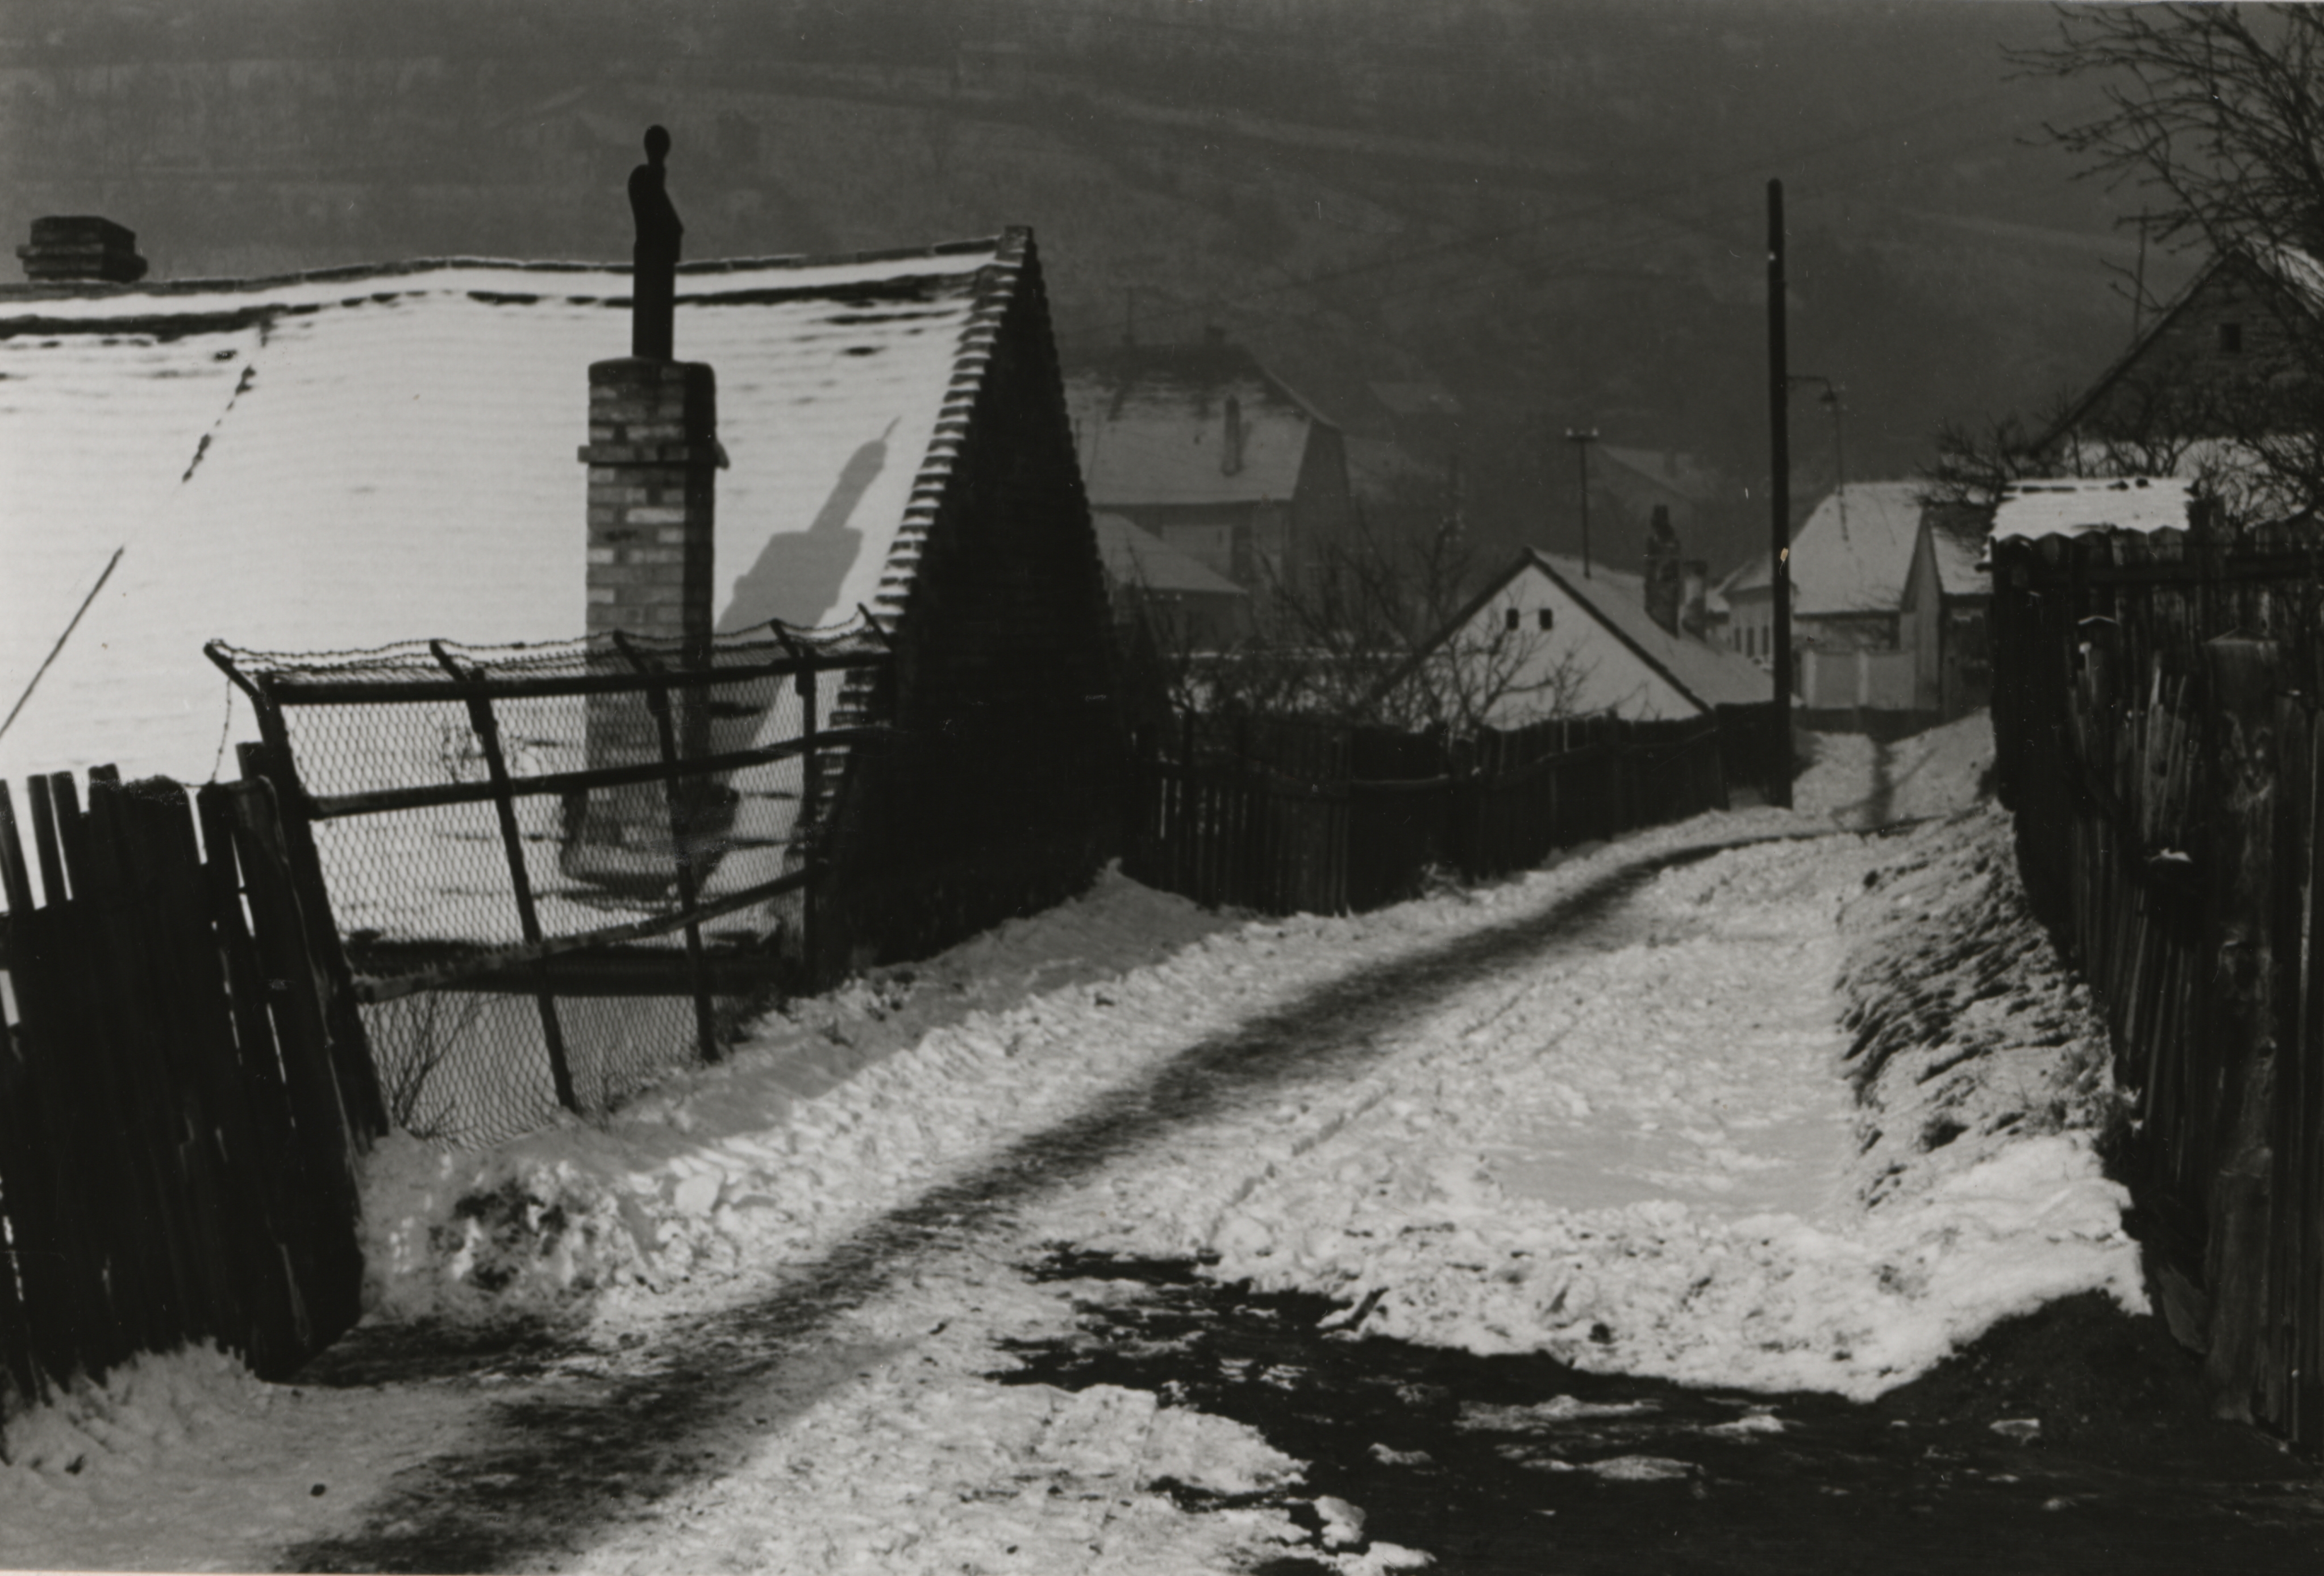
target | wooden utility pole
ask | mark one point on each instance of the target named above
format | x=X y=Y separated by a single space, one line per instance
x=1779 y=502
x=1581 y=440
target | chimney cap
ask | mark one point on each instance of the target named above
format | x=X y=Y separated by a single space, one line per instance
x=66 y=247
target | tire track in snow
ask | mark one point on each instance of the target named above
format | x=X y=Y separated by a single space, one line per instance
x=601 y=1439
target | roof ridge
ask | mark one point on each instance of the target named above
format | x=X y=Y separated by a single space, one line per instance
x=995 y=291
x=404 y=267
x=1661 y=668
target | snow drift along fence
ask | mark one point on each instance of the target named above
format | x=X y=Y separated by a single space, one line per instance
x=1288 y=815
x=2159 y=733
x=560 y=868
x=184 y=1088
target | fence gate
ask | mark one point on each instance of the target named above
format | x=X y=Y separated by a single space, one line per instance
x=560 y=868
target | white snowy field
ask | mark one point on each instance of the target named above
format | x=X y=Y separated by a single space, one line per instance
x=1603 y=1111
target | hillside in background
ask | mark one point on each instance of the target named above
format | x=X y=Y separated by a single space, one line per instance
x=1518 y=218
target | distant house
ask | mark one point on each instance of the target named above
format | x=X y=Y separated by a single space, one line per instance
x=1200 y=446
x=2214 y=361
x=1942 y=616
x=1548 y=637
x=1883 y=586
x=344 y=459
x=1185 y=604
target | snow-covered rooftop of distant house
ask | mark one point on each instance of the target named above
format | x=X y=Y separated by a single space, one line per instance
x=1712 y=675
x=348 y=458
x=1138 y=557
x=1957 y=535
x=1676 y=472
x=1853 y=554
x=2073 y=505
x=1150 y=422
x=1416 y=398
x=2298 y=270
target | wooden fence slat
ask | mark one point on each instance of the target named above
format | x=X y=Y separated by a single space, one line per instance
x=322 y=1153
x=19 y=1193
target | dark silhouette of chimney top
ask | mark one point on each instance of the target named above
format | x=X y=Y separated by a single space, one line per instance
x=81 y=246
x=1666 y=586
x=653 y=282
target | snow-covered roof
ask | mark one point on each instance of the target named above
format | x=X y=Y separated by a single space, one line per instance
x=1853 y=554
x=348 y=458
x=1625 y=658
x=1150 y=423
x=2297 y=270
x=1138 y=557
x=2073 y=505
x=1957 y=537
x=1416 y=398
x=1711 y=675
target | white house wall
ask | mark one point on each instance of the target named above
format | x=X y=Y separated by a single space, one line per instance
x=1610 y=676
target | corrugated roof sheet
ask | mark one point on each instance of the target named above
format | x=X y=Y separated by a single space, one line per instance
x=345 y=460
x=1711 y=674
x=1150 y=425
x=1851 y=556
x=2071 y=505
x=1138 y=557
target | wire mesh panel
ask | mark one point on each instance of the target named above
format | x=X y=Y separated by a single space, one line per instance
x=556 y=868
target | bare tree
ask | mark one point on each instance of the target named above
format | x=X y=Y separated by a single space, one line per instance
x=2215 y=115
x=2214 y=111
x=1364 y=632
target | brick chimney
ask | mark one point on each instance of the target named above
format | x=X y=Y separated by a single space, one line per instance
x=653 y=458
x=1665 y=578
x=70 y=247
x=1230 y=451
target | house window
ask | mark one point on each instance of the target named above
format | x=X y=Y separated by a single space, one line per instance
x=1511 y=618
x=1546 y=618
x=2231 y=338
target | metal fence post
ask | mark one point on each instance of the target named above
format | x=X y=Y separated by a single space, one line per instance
x=680 y=844
x=488 y=735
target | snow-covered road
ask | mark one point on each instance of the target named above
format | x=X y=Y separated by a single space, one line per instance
x=1599 y=1112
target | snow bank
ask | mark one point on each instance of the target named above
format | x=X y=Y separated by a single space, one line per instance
x=1979 y=1194
x=802 y=1130
x=148 y=1404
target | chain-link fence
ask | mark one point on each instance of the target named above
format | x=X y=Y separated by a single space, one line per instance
x=560 y=869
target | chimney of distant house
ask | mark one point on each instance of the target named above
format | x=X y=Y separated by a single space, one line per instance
x=1231 y=453
x=1694 y=597
x=78 y=247
x=1664 y=586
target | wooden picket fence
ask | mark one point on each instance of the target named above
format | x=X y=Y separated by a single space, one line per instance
x=2159 y=734
x=184 y=1089
x=1289 y=815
